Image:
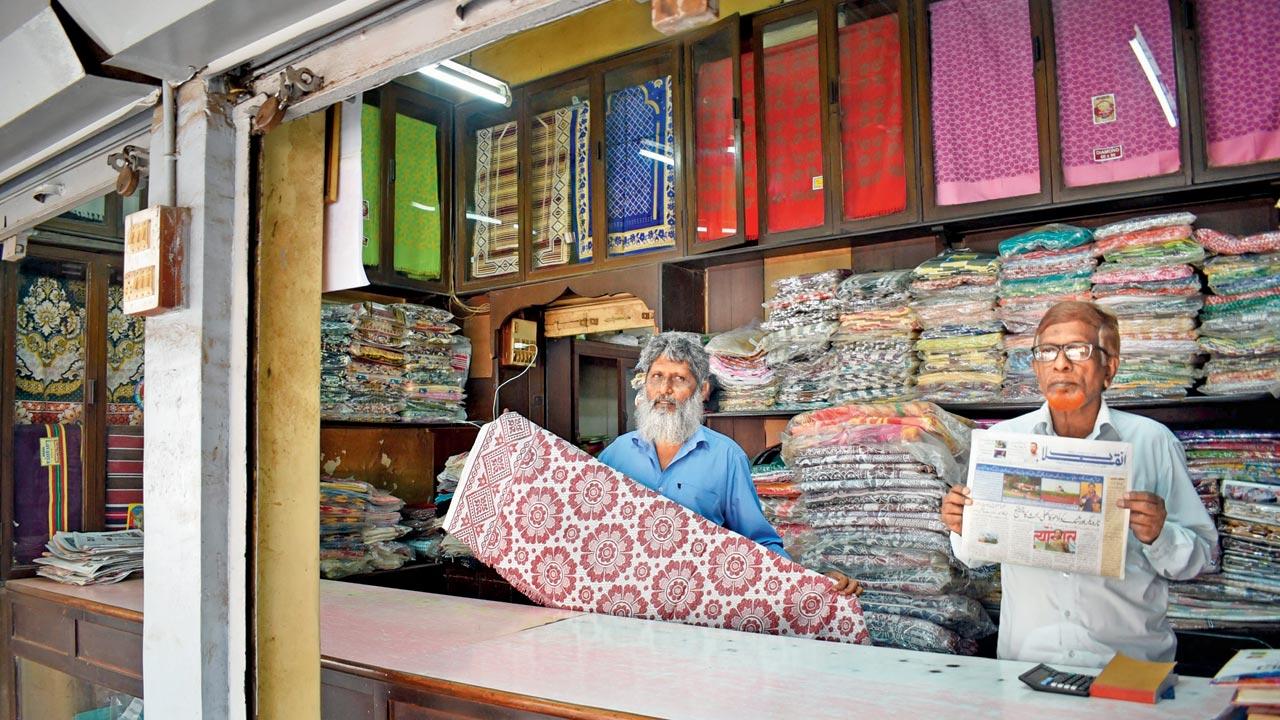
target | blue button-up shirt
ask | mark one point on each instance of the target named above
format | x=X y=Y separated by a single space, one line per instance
x=710 y=475
x=1075 y=619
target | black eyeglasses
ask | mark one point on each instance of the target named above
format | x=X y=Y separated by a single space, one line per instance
x=1076 y=352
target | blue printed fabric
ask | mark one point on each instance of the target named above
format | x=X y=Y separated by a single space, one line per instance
x=640 y=168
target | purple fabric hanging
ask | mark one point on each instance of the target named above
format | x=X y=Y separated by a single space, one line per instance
x=1240 y=97
x=1113 y=127
x=985 y=133
x=46 y=495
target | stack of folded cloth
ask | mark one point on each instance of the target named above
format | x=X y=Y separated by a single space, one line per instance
x=1243 y=466
x=872 y=478
x=447 y=479
x=1240 y=321
x=426 y=530
x=1149 y=282
x=801 y=319
x=1038 y=269
x=436 y=364
x=359 y=525
x=780 y=500
x=874 y=347
x=362 y=362
x=961 y=345
x=738 y=364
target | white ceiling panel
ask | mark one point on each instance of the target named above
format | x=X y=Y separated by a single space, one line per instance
x=39 y=63
x=167 y=39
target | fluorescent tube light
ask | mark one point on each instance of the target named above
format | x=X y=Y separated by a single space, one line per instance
x=645 y=152
x=484 y=219
x=1152 y=71
x=472 y=81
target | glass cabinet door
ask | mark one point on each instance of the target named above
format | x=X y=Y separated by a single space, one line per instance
x=418 y=218
x=1237 y=48
x=488 y=177
x=1117 y=91
x=640 y=156
x=982 y=101
x=126 y=340
x=715 y=183
x=373 y=179
x=51 y=400
x=791 y=105
x=561 y=166
x=872 y=115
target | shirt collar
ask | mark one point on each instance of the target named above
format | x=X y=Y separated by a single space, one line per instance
x=699 y=437
x=1103 y=428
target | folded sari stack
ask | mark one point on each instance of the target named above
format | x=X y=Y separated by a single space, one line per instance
x=801 y=319
x=437 y=359
x=1149 y=281
x=780 y=500
x=358 y=528
x=1038 y=269
x=1238 y=471
x=742 y=374
x=960 y=347
x=1240 y=322
x=871 y=480
x=362 y=362
x=874 y=347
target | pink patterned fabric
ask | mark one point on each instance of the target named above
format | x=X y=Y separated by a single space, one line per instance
x=985 y=137
x=571 y=533
x=1239 y=53
x=1227 y=244
x=1094 y=60
x=1142 y=238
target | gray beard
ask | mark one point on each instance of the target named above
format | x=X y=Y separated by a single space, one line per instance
x=668 y=428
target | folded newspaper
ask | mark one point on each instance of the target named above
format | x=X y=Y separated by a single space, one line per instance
x=1048 y=502
x=92 y=558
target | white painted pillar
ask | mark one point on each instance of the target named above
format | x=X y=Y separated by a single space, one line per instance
x=194 y=482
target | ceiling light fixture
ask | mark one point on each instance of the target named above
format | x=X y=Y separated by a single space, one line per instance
x=472 y=81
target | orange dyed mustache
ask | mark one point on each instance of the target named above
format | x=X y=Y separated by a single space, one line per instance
x=1066 y=399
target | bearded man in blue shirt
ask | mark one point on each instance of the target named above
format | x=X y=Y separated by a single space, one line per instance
x=1075 y=619
x=674 y=455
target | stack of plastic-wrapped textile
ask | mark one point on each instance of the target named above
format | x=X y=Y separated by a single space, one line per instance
x=362 y=362
x=961 y=344
x=1149 y=281
x=780 y=500
x=426 y=530
x=1243 y=468
x=1240 y=321
x=872 y=478
x=437 y=359
x=874 y=347
x=801 y=319
x=359 y=525
x=738 y=363
x=1038 y=269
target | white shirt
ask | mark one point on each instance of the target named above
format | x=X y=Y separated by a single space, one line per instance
x=1055 y=617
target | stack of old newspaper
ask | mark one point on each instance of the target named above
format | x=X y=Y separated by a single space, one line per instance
x=91 y=558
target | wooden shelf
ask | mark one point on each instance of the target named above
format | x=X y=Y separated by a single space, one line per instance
x=398 y=424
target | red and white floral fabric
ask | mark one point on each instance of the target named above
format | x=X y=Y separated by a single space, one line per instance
x=572 y=533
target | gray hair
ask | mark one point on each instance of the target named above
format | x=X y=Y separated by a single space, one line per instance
x=682 y=347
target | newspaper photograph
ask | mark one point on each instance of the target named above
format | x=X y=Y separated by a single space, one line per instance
x=1048 y=502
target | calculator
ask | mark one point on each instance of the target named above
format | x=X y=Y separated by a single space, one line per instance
x=1046 y=679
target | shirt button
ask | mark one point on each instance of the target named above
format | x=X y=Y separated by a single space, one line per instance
x=1071 y=653
x=1067 y=614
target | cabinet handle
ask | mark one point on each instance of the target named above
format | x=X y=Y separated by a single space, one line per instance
x=1036 y=51
x=90 y=391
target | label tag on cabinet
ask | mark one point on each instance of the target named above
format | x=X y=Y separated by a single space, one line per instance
x=1105 y=154
x=817 y=182
x=1104 y=109
x=50 y=452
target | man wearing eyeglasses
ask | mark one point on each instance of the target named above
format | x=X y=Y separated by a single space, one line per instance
x=673 y=454
x=1056 y=617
